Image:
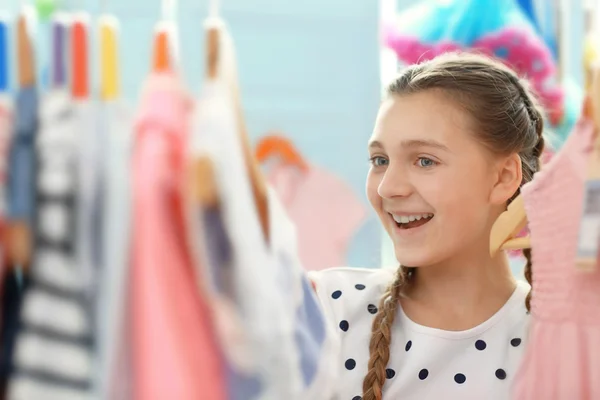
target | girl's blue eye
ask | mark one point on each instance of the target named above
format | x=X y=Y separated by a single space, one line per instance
x=426 y=162
x=378 y=161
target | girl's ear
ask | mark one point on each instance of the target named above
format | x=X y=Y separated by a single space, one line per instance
x=509 y=175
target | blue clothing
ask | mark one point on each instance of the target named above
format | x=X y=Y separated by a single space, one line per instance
x=21 y=162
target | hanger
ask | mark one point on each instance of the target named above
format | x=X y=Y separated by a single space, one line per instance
x=109 y=57
x=4 y=57
x=59 y=35
x=509 y=224
x=79 y=57
x=165 y=51
x=202 y=174
x=25 y=55
x=278 y=145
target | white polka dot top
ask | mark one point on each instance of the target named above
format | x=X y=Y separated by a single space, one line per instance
x=425 y=363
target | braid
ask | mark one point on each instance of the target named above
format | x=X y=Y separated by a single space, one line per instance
x=531 y=161
x=381 y=336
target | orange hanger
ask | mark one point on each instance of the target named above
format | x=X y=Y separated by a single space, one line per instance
x=282 y=147
x=162 y=54
x=79 y=57
x=165 y=40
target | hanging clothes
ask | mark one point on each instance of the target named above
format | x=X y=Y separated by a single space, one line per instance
x=12 y=292
x=53 y=356
x=563 y=356
x=21 y=168
x=174 y=351
x=114 y=371
x=269 y=324
x=325 y=228
x=6 y=121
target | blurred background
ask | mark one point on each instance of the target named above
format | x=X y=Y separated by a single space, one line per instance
x=312 y=72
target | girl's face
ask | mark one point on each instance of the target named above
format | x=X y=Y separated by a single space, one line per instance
x=434 y=187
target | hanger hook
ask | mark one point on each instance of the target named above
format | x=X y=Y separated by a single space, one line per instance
x=169 y=10
x=213 y=8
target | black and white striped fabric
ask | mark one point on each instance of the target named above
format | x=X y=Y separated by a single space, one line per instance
x=54 y=351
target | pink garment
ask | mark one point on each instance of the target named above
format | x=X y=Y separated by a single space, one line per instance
x=517 y=47
x=175 y=354
x=563 y=357
x=325 y=210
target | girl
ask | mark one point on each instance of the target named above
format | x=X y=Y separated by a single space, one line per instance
x=454 y=140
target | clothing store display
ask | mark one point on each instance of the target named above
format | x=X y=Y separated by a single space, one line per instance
x=325 y=228
x=425 y=363
x=562 y=358
x=174 y=354
x=53 y=356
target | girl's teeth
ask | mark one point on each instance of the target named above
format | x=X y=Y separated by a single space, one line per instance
x=404 y=219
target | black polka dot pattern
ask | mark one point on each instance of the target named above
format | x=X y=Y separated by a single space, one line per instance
x=515 y=342
x=337 y=294
x=350 y=364
x=360 y=287
x=344 y=325
x=480 y=345
x=390 y=373
x=501 y=374
x=372 y=308
x=408 y=345
x=357 y=398
x=460 y=379
x=423 y=374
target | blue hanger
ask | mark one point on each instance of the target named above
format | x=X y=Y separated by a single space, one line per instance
x=4 y=54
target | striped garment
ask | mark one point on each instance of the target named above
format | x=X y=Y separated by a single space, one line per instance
x=53 y=354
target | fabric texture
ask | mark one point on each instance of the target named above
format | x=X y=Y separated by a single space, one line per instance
x=425 y=363
x=325 y=228
x=174 y=351
x=54 y=350
x=562 y=360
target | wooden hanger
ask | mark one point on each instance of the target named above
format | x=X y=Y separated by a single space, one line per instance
x=4 y=55
x=58 y=57
x=25 y=54
x=205 y=189
x=109 y=57
x=509 y=224
x=79 y=57
x=279 y=146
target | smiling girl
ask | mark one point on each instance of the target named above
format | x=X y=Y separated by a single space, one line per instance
x=455 y=139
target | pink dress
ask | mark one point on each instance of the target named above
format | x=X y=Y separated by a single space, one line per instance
x=174 y=351
x=562 y=361
x=324 y=228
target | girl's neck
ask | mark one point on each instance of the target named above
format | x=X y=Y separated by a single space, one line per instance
x=460 y=293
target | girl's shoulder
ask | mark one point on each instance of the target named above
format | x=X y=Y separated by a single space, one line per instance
x=346 y=290
x=365 y=280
